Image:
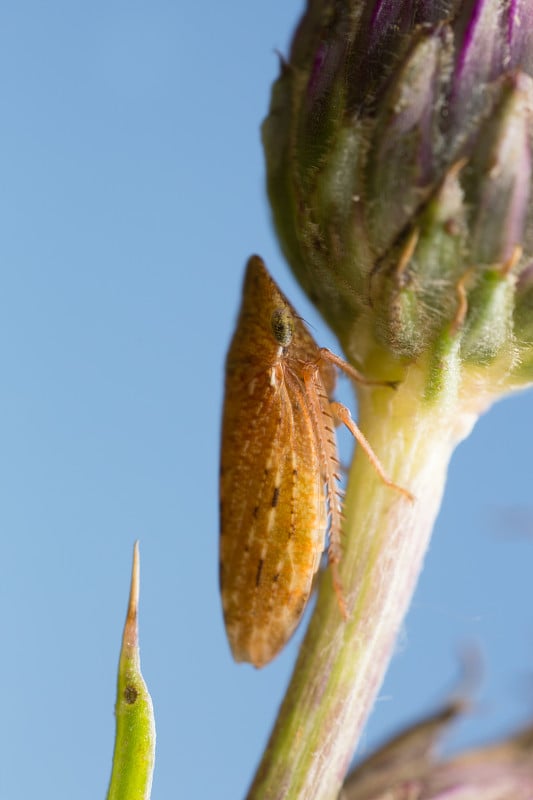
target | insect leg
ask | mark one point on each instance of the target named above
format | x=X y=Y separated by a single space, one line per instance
x=343 y=414
x=321 y=416
x=352 y=372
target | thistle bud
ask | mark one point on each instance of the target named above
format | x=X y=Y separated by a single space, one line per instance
x=398 y=149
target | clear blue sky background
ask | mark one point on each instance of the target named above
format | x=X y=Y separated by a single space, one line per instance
x=131 y=193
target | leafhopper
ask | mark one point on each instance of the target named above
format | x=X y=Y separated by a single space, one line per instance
x=279 y=475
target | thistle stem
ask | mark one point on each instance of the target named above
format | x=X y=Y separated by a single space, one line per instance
x=341 y=664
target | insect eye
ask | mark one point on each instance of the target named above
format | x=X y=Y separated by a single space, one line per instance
x=282 y=325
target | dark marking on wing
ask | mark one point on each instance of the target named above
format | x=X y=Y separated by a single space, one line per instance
x=259 y=570
x=275 y=496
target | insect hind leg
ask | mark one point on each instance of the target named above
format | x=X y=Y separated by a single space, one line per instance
x=343 y=415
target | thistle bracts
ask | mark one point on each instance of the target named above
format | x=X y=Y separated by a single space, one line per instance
x=399 y=171
x=410 y=766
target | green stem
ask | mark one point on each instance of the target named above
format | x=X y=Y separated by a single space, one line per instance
x=341 y=664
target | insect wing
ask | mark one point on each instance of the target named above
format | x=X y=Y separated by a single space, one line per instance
x=273 y=514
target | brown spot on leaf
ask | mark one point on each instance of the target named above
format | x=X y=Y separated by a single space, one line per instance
x=130 y=694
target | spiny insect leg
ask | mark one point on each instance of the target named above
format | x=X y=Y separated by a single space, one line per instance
x=343 y=414
x=322 y=420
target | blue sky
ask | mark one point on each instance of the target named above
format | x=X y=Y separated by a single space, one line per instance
x=131 y=195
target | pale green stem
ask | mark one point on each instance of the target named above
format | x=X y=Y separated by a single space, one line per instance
x=341 y=664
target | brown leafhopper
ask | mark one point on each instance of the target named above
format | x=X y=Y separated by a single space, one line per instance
x=279 y=475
